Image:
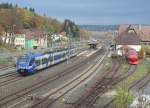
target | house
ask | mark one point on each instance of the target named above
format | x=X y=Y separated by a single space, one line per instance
x=35 y=39
x=6 y=38
x=144 y=34
x=59 y=37
x=19 y=41
x=42 y=42
x=30 y=39
x=128 y=37
x=31 y=44
x=63 y=36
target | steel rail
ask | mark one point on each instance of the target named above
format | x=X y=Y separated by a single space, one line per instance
x=31 y=88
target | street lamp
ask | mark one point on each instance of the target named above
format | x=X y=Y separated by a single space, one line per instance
x=11 y=34
x=51 y=44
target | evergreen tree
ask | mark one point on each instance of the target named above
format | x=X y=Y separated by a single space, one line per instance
x=71 y=28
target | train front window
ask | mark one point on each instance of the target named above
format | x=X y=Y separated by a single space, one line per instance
x=23 y=60
x=31 y=62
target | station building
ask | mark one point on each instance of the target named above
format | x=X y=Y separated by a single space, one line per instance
x=128 y=37
x=135 y=36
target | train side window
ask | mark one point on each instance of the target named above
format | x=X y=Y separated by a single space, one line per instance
x=56 y=57
x=44 y=60
x=37 y=62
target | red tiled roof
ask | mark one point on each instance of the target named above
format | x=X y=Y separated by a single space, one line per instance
x=33 y=33
x=127 y=35
x=145 y=33
x=123 y=28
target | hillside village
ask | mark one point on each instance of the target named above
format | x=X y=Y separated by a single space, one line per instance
x=23 y=28
x=33 y=39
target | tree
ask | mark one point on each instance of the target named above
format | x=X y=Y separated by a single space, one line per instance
x=14 y=20
x=32 y=10
x=71 y=28
x=142 y=52
x=6 y=6
x=25 y=8
x=16 y=6
x=84 y=34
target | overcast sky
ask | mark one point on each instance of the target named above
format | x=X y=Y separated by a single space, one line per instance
x=93 y=12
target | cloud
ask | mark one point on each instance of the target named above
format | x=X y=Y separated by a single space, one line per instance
x=92 y=11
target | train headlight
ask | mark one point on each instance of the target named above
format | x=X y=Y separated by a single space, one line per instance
x=22 y=70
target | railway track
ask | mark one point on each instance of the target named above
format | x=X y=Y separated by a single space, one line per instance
x=7 y=71
x=104 y=84
x=144 y=84
x=60 y=92
x=21 y=93
x=130 y=71
x=6 y=67
x=140 y=84
x=89 y=96
x=8 y=78
x=11 y=78
x=8 y=75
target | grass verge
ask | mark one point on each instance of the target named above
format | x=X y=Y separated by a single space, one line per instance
x=123 y=97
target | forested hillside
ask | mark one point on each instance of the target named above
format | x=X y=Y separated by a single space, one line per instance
x=16 y=19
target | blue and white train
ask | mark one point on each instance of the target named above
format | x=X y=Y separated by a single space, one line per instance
x=31 y=62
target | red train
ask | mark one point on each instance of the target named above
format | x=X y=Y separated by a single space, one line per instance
x=132 y=57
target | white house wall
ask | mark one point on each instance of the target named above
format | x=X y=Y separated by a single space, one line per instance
x=19 y=40
x=42 y=43
x=136 y=47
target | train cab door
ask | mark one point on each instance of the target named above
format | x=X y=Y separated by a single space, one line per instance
x=32 y=65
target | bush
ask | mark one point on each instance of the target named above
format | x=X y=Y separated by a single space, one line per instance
x=34 y=47
x=114 y=56
x=123 y=97
x=147 y=50
x=142 y=53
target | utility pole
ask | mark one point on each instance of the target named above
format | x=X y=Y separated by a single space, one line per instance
x=13 y=32
x=50 y=44
x=52 y=49
x=68 y=56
